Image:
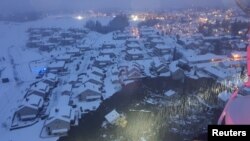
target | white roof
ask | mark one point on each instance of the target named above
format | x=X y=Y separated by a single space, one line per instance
x=133 y=45
x=63 y=57
x=40 y=86
x=134 y=51
x=107 y=51
x=61 y=111
x=112 y=116
x=57 y=64
x=85 y=87
x=161 y=46
x=205 y=57
x=51 y=76
x=32 y=101
x=169 y=93
x=103 y=58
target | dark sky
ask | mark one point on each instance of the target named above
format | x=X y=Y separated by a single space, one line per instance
x=8 y=6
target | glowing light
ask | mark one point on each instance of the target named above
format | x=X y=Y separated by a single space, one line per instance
x=236 y=56
x=134 y=18
x=79 y=17
x=203 y=20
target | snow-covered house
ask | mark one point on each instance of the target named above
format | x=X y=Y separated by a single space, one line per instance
x=109 y=52
x=66 y=89
x=169 y=93
x=103 y=61
x=95 y=79
x=108 y=46
x=51 y=79
x=47 y=47
x=154 y=41
x=134 y=72
x=133 y=45
x=145 y=32
x=87 y=92
x=30 y=108
x=162 y=49
x=73 y=51
x=134 y=54
x=112 y=117
x=64 y=57
x=57 y=66
x=206 y=58
x=84 y=47
x=40 y=89
x=60 y=118
x=67 y=41
x=97 y=71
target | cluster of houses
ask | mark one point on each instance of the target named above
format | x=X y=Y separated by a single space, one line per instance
x=47 y=39
x=35 y=101
x=111 y=65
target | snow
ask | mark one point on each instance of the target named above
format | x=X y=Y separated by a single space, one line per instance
x=224 y=96
x=205 y=58
x=170 y=93
x=112 y=116
x=33 y=101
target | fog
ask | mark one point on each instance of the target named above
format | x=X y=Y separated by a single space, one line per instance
x=13 y=6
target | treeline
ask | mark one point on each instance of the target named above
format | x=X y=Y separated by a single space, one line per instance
x=22 y=17
x=149 y=22
x=117 y=23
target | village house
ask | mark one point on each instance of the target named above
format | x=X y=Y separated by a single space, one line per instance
x=40 y=89
x=108 y=46
x=57 y=66
x=47 y=47
x=95 y=79
x=103 y=61
x=61 y=117
x=97 y=71
x=83 y=47
x=109 y=52
x=206 y=58
x=162 y=49
x=64 y=57
x=51 y=79
x=66 y=89
x=87 y=92
x=73 y=51
x=30 y=108
x=134 y=54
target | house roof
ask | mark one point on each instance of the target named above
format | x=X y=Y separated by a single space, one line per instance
x=85 y=87
x=103 y=58
x=40 y=86
x=112 y=116
x=205 y=57
x=57 y=64
x=51 y=76
x=62 y=111
x=134 y=51
x=32 y=101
